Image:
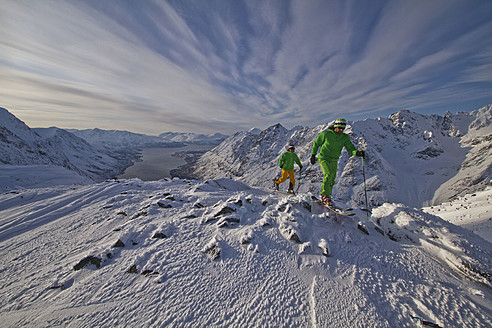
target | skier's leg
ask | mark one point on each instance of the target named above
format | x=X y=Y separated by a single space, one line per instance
x=285 y=175
x=292 y=179
x=329 y=169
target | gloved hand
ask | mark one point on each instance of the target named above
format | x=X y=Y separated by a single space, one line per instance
x=313 y=159
x=300 y=168
x=360 y=153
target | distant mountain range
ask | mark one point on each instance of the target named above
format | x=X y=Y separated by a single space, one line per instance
x=21 y=145
x=411 y=158
x=194 y=138
x=124 y=139
x=94 y=153
x=116 y=139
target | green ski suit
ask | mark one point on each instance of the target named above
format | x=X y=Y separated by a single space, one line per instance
x=286 y=163
x=330 y=145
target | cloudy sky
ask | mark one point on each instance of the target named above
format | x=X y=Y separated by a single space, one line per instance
x=228 y=65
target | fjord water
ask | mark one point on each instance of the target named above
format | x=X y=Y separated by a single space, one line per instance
x=157 y=163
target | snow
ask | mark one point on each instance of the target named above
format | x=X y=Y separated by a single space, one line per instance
x=473 y=212
x=78 y=251
x=189 y=253
x=37 y=176
x=193 y=138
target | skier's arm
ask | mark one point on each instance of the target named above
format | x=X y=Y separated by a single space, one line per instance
x=316 y=144
x=350 y=146
x=298 y=161
x=281 y=162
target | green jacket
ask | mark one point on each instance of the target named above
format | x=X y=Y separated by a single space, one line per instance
x=287 y=160
x=330 y=145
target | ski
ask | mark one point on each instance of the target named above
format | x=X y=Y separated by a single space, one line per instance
x=348 y=209
x=283 y=192
x=333 y=209
x=362 y=228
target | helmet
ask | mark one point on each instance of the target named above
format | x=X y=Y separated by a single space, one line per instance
x=340 y=123
x=290 y=146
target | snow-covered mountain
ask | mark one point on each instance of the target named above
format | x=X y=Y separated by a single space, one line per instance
x=194 y=138
x=116 y=139
x=411 y=158
x=94 y=153
x=218 y=253
x=21 y=145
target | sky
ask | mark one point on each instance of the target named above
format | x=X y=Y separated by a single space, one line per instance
x=231 y=65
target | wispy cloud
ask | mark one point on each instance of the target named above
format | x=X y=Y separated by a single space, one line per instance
x=156 y=66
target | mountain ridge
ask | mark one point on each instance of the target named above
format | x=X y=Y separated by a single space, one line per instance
x=423 y=152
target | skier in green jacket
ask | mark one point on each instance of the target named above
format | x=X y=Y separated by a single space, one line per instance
x=330 y=144
x=286 y=163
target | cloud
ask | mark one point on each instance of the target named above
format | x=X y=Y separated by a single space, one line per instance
x=101 y=71
x=226 y=66
x=391 y=67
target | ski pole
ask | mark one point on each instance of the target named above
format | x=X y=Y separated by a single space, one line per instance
x=305 y=175
x=365 y=187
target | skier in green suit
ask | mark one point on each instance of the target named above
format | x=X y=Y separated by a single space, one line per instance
x=330 y=144
x=286 y=163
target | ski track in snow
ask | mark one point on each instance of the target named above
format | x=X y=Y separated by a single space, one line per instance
x=269 y=272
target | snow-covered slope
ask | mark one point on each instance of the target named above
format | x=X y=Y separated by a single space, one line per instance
x=219 y=253
x=411 y=158
x=88 y=160
x=476 y=169
x=472 y=211
x=21 y=145
x=15 y=177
